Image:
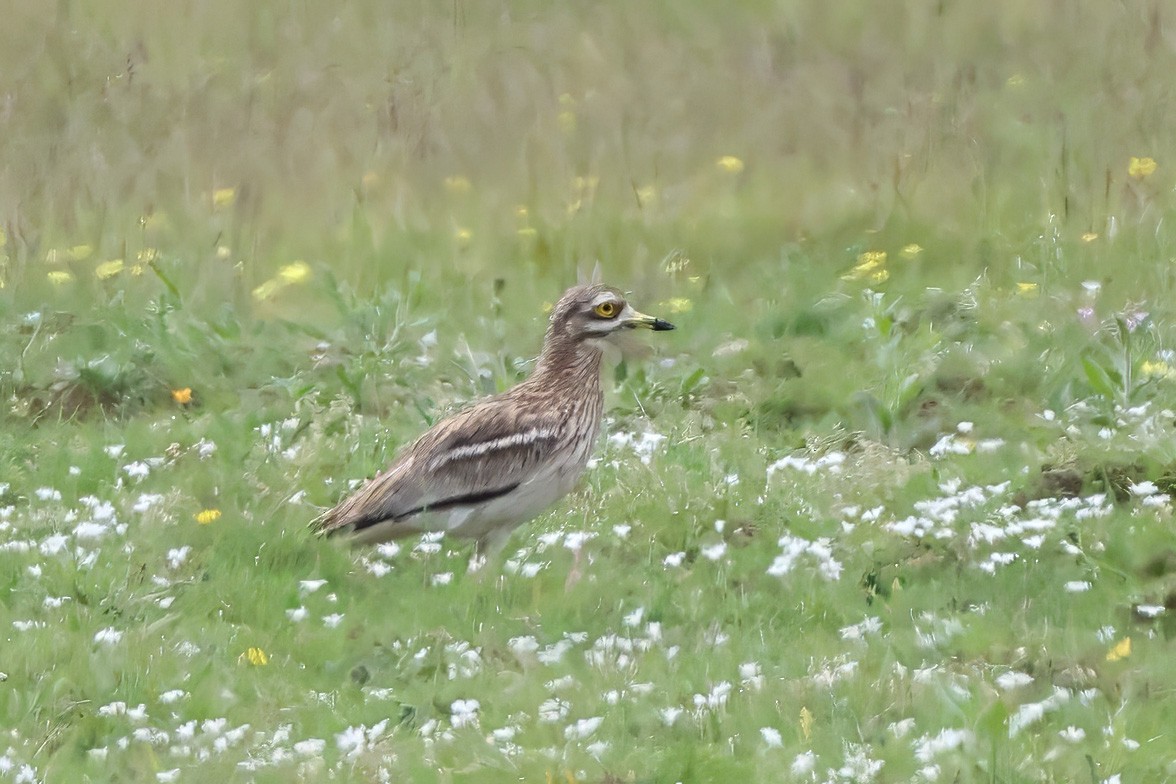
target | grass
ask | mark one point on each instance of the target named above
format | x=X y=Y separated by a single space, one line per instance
x=892 y=504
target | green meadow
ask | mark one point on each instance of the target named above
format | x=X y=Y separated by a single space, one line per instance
x=891 y=504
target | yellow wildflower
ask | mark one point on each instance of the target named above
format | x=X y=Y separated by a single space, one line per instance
x=1121 y=650
x=293 y=273
x=911 y=251
x=298 y=272
x=463 y=236
x=147 y=255
x=458 y=185
x=1158 y=369
x=206 y=516
x=108 y=269
x=869 y=264
x=1090 y=236
x=806 y=723
x=223 y=197
x=268 y=289
x=677 y=305
x=1016 y=80
x=729 y=164
x=255 y=656
x=880 y=276
x=136 y=269
x=646 y=195
x=184 y=397
x=59 y=277
x=1139 y=168
x=80 y=252
x=547 y=307
x=1027 y=289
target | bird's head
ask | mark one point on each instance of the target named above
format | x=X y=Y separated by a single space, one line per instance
x=596 y=313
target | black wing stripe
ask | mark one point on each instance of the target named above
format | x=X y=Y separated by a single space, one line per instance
x=440 y=506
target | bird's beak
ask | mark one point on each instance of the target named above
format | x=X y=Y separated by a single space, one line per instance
x=636 y=319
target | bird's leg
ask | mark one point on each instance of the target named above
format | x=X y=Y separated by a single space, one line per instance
x=575 y=573
x=488 y=550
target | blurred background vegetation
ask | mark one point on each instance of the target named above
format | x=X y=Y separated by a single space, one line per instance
x=216 y=194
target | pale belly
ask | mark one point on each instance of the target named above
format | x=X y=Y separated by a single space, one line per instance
x=497 y=518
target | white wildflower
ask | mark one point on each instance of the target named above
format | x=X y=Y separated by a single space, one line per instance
x=715 y=551
x=634 y=618
x=90 y=530
x=176 y=556
x=583 y=728
x=376 y=568
x=861 y=630
x=108 y=636
x=1008 y=681
x=804 y=764
x=54 y=544
x=311 y=747
x=751 y=675
x=928 y=747
x=523 y=646
x=670 y=715
x=464 y=712
x=715 y=699
x=1143 y=488
x=532 y=568
x=553 y=709
x=146 y=501
x=47 y=494
x=901 y=728
x=137 y=470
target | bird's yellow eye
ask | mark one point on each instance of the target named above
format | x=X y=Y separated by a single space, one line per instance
x=606 y=309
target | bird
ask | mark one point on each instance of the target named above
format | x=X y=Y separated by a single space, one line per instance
x=491 y=467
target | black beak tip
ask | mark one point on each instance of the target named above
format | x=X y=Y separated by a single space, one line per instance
x=661 y=325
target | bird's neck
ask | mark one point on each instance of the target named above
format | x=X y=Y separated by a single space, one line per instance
x=568 y=360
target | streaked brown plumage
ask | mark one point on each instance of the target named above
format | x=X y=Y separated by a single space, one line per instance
x=487 y=469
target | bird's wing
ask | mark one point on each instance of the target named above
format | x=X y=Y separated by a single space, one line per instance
x=479 y=454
